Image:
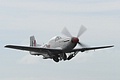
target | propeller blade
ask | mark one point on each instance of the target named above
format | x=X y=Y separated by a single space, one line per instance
x=81 y=44
x=66 y=32
x=81 y=31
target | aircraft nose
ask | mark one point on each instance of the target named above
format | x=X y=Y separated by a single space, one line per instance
x=75 y=40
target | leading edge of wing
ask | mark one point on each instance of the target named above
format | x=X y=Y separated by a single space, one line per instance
x=91 y=48
x=28 y=48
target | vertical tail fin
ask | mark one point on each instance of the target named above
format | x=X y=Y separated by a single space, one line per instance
x=32 y=41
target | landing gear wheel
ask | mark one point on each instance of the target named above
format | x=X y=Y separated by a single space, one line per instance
x=56 y=59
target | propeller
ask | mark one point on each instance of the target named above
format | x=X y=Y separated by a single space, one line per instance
x=81 y=44
x=75 y=39
x=81 y=31
x=66 y=32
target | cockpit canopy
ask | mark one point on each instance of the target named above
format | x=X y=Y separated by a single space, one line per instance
x=56 y=38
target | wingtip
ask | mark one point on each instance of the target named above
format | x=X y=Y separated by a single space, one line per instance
x=112 y=46
x=6 y=46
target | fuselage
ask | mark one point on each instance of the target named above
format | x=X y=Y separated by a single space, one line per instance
x=58 y=42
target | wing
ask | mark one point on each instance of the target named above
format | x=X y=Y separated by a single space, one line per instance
x=90 y=48
x=34 y=49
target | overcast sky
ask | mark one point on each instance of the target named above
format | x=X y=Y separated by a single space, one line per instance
x=19 y=19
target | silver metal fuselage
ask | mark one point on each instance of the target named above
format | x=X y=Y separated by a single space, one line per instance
x=57 y=42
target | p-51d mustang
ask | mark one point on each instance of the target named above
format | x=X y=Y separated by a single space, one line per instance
x=58 y=48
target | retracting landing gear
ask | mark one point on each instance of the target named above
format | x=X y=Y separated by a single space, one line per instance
x=56 y=59
x=72 y=55
x=64 y=56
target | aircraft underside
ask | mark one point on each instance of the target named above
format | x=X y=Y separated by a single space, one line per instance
x=57 y=57
x=62 y=56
